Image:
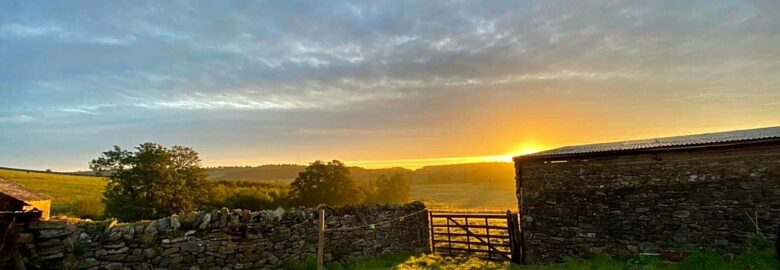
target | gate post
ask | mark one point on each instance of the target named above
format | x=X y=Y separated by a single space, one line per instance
x=432 y=239
x=515 y=242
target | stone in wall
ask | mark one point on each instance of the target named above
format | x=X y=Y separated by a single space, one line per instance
x=224 y=239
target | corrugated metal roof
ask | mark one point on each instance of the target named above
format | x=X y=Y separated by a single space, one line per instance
x=20 y=192
x=659 y=143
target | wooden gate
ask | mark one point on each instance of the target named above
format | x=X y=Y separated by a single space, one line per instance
x=493 y=235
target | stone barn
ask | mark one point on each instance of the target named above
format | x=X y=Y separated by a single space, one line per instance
x=15 y=198
x=662 y=195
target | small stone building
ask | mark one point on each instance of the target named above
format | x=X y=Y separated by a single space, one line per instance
x=661 y=195
x=15 y=198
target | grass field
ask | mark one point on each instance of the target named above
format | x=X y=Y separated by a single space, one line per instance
x=756 y=259
x=465 y=197
x=71 y=195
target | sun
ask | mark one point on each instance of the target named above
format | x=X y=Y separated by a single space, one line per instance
x=523 y=150
x=527 y=148
x=526 y=151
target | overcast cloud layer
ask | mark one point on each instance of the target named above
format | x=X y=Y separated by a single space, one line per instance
x=291 y=81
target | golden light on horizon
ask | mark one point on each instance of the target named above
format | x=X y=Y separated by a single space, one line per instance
x=508 y=158
x=528 y=148
x=527 y=151
x=523 y=147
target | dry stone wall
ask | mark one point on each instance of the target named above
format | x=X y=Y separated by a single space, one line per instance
x=224 y=239
x=650 y=203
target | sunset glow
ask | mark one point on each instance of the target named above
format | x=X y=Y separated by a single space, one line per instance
x=418 y=163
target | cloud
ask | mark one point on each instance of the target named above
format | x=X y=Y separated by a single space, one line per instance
x=289 y=52
x=353 y=131
x=294 y=65
x=231 y=102
x=16 y=118
x=32 y=31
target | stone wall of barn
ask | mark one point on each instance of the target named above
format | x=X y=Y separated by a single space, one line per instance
x=649 y=203
x=223 y=239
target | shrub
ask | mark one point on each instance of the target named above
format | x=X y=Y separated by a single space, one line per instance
x=91 y=208
x=245 y=195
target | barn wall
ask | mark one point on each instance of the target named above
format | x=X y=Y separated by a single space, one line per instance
x=649 y=202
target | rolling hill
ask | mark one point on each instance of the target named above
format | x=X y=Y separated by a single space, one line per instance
x=499 y=173
x=287 y=172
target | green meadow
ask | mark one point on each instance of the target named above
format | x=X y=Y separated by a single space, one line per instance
x=71 y=194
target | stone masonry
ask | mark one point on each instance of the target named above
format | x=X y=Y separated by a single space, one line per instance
x=649 y=202
x=223 y=239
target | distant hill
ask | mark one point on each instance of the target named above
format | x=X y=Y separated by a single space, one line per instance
x=495 y=173
x=498 y=173
x=361 y=174
x=271 y=172
x=79 y=173
x=288 y=172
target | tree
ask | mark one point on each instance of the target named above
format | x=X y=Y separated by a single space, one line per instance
x=325 y=183
x=387 y=190
x=151 y=182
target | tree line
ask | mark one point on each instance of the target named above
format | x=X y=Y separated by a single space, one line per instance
x=153 y=181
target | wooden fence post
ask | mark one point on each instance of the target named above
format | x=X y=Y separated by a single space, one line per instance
x=8 y=243
x=515 y=241
x=321 y=243
x=432 y=241
x=777 y=244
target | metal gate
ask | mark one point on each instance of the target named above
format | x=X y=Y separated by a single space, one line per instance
x=493 y=235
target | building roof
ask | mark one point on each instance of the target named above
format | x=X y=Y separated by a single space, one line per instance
x=699 y=140
x=20 y=192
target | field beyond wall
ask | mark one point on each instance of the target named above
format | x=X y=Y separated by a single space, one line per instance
x=67 y=191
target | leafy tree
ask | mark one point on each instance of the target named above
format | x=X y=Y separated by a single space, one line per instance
x=393 y=189
x=151 y=182
x=325 y=183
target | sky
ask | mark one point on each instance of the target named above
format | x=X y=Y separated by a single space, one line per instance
x=376 y=83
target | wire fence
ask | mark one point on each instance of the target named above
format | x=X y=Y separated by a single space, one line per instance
x=231 y=241
x=378 y=224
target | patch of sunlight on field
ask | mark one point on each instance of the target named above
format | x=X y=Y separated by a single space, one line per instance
x=65 y=190
x=402 y=261
x=465 y=197
x=430 y=261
